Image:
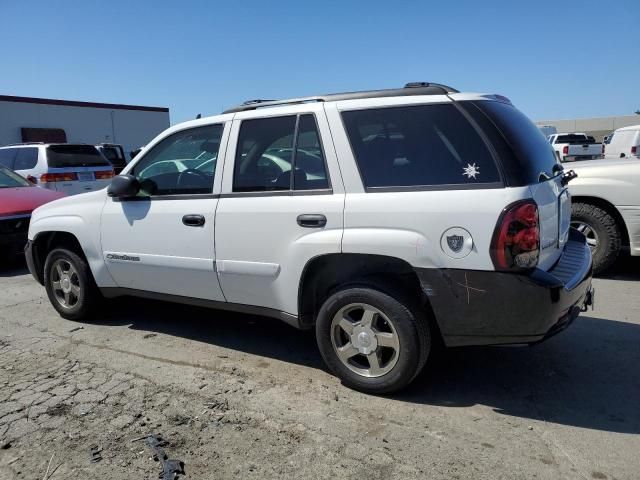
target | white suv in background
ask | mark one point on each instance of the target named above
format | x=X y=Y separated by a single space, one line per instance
x=387 y=220
x=624 y=143
x=64 y=167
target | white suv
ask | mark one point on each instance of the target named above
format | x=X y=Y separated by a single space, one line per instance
x=388 y=220
x=64 y=167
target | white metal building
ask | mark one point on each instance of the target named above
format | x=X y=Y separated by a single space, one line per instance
x=25 y=119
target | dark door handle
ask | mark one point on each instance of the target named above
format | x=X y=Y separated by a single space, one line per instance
x=312 y=221
x=193 y=220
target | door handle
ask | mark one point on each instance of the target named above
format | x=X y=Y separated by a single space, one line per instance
x=312 y=220
x=193 y=220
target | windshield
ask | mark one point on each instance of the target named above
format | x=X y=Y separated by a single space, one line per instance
x=64 y=156
x=9 y=179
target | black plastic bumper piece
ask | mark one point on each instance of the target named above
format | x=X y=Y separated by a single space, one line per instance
x=32 y=262
x=488 y=308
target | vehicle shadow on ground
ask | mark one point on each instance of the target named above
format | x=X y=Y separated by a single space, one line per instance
x=587 y=376
x=12 y=269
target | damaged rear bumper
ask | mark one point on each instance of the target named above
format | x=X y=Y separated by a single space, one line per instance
x=488 y=308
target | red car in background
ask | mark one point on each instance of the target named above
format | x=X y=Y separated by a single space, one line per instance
x=18 y=198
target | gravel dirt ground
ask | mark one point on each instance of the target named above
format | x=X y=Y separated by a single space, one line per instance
x=248 y=397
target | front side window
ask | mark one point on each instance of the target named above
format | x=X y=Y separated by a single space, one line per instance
x=278 y=154
x=182 y=163
x=414 y=146
x=26 y=158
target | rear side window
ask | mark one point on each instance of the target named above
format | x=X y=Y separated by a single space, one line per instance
x=69 y=156
x=272 y=157
x=7 y=157
x=424 y=145
x=527 y=153
x=26 y=158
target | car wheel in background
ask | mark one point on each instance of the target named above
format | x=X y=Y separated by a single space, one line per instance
x=601 y=231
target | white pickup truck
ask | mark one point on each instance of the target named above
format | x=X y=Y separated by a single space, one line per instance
x=575 y=146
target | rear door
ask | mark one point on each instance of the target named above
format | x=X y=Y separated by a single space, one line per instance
x=282 y=204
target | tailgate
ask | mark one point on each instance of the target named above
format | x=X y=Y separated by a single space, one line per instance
x=554 y=207
x=586 y=149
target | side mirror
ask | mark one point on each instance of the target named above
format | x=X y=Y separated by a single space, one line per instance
x=123 y=186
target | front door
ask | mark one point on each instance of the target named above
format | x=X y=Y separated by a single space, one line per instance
x=282 y=205
x=163 y=240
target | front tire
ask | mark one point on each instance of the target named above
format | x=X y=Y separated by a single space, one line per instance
x=602 y=233
x=69 y=284
x=372 y=338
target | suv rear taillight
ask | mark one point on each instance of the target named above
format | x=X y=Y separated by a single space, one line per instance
x=516 y=239
x=58 y=177
x=634 y=150
x=565 y=150
x=603 y=149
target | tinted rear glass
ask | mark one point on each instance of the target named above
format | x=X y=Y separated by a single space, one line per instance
x=64 y=156
x=532 y=152
x=574 y=139
x=114 y=156
x=418 y=145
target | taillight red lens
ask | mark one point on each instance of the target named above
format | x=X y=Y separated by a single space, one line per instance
x=565 y=150
x=58 y=177
x=516 y=240
x=104 y=174
x=634 y=149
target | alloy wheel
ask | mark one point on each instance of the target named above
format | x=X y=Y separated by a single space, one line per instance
x=65 y=283
x=365 y=340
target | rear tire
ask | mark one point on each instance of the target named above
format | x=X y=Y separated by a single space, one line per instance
x=70 y=285
x=602 y=232
x=373 y=338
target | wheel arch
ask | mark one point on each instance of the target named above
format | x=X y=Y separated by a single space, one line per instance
x=46 y=241
x=609 y=208
x=323 y=274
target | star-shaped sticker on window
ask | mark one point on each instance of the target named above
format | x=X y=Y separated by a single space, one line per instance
x=471 y=170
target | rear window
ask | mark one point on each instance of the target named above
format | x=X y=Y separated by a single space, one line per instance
x=420 y=145
x=573 y=139
x=530 y=153
x=114 y=156
x=64 y=156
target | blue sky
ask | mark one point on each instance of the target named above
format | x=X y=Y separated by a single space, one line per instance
x=553 y=59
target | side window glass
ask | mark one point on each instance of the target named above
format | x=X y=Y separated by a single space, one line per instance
x=418 y=146
x=263 y=156
x=26 y=158
x=310 y=171
x=183 y=163
x=7 y=156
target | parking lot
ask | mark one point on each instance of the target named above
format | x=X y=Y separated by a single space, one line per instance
x=241 y=397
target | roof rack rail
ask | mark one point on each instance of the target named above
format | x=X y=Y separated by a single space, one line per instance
x=412 y=88
x=23 y=143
